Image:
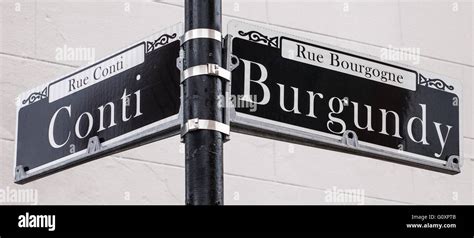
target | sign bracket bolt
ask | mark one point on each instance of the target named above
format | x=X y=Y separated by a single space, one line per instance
x=93 y=145
x=20 y=172
x=349 y=139
x=453 y=162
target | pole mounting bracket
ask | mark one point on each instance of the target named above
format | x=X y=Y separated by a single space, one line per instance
x=231 y=62
x=206 y=69
x=201 y=33
x=202 y=124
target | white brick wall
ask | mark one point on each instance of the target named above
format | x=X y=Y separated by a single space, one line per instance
x=257 y=171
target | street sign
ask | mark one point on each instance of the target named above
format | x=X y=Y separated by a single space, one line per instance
x=127 y=99
x=301 y=91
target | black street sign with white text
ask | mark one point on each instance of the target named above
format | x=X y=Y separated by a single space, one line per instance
x=124 y=100
x=314 y=94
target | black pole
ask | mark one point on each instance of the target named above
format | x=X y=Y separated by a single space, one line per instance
x=201 y=99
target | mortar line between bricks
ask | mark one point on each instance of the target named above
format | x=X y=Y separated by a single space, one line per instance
x=323 y=34
x=257 y=179
x=38 y=60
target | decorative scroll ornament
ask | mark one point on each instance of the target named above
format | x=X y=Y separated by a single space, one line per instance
x=434 y=83
x=36 y=96
x=256 y=36
x=162 y=40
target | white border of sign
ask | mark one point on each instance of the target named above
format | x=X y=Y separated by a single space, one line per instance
x=162 y=129
x=257 y=126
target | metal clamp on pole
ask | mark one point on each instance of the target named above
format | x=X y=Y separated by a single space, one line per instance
x=206 y=69
x=202 y=33
x=201 y=124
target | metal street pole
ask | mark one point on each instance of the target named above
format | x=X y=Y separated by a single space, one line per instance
x=203 y=128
